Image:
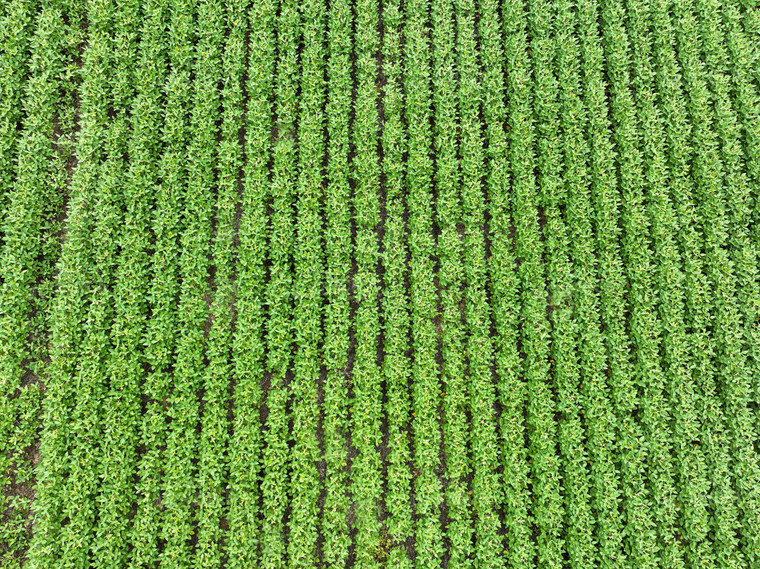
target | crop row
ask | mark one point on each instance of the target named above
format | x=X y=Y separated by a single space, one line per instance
x=387 y=283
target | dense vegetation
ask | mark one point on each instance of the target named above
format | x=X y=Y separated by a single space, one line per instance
x=382 y=283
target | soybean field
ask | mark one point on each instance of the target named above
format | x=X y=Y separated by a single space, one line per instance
x=380 y=283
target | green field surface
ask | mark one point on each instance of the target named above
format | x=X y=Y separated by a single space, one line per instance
x=456 y=284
